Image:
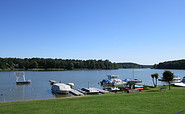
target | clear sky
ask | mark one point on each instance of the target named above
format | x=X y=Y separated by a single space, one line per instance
x=140 y=31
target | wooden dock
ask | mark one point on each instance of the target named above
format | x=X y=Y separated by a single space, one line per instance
x=101 y=90
x=23 y=82
x=77 y=93
x=21 y=75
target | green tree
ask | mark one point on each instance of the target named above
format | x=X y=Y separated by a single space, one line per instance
x=155 y=76
x=168 y=76
x=33 y=64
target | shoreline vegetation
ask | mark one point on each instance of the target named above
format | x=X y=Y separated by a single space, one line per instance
x=54 y=64
x=54 y=69
x=152 y=101
x=48 y=64
x=176 y=64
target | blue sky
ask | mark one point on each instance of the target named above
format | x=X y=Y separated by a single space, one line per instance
x=140 y=31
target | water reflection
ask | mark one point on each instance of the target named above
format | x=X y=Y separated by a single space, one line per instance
x=61 y=95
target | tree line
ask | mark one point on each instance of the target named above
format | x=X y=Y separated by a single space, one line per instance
x=65 y=64
x=133 y=65
x=177 y=64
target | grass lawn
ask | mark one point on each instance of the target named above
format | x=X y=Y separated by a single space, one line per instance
x=145 y=102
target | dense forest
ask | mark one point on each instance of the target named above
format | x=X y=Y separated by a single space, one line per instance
x=133 y=65
x=129 y=65
x=46 y=64
x=177 y=64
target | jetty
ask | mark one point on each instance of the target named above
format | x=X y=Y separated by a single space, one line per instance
x=88 y=91
x=79 y=92
x=76 y=92
x=101 y=90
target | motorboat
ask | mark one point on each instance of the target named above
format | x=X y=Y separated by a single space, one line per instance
x=176 y=79
x=61 y=88
x=136 y=87
x=112 y=81
x=180 y=84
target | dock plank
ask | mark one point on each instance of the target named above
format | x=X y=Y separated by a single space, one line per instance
x=77 y=93
x=101 y=90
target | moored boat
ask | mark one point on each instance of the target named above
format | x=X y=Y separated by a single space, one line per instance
x=60 y=88
x=180 y=84
x=175 y=79
x=112 y=81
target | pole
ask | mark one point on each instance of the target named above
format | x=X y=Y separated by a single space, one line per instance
x=133 y=74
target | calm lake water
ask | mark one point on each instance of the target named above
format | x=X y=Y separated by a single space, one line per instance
x=40 y=87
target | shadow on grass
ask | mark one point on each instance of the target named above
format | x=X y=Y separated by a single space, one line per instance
x=153 y=91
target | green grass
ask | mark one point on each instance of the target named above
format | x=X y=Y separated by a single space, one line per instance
x=146 y=102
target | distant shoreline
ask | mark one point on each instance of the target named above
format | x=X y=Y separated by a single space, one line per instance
x=50 y=69
x=61 y=69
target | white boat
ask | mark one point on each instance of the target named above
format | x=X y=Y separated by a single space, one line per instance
x=113 y=81
x=180 y=84
x=60 y=88
x=176 y=79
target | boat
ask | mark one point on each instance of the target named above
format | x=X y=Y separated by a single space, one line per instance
x=112 y=81
x=180 y=84
x=21 y=75
x=61 y=88
x=176 y=79
x=136 y=87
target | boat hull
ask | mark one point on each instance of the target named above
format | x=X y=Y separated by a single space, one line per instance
x=60 y=88
x=179 y=84
x=60 y=92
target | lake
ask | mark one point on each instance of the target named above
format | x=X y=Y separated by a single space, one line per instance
x=40 y=87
